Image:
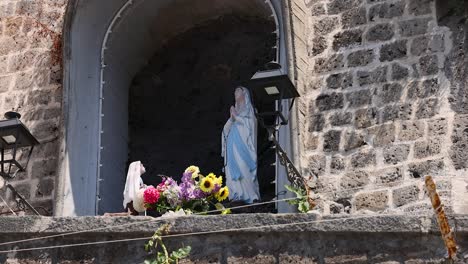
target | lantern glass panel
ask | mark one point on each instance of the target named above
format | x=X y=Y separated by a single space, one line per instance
x=10 y=139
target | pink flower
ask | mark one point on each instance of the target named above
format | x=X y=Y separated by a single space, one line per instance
x=151 y=195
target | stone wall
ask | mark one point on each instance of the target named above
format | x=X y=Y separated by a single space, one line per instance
x=379 y=239
x=380 y=111
x=30 y=83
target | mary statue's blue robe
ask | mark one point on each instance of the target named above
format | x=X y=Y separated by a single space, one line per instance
x=240 y=155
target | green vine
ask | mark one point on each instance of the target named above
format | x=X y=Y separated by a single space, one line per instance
x=158 y=250
x=302 y=201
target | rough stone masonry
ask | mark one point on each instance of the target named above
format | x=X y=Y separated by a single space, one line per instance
x=384 y=98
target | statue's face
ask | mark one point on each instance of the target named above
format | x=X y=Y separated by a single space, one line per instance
x=238 y=94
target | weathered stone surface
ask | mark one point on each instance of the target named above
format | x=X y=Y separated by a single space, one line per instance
x=354 y=179
x=340 y=80
x=374 y=201
x=389 y=176
x=414 y=27
x=388 y=93
x=365 y=117
x=377 y=75
x=396 y=112
x=45 y=187
x=424 y=149
x=383 y=135
x=380 y=32
x=312 y=142
x=424 y=168
x=459 y=138
x=354 y=17
x=399 y=72
x=287 y=258
x=363 y=158
x=426 y=44
x=427 y=108
x=325 y=25
x=437 y=127
x=338 y=6
x=347 y=38
x=331 y=63
x=353 y=140
x=340 y=118
x=428 y=65
x=318 y=45
x=423 y=89
x=317 y=9
x=316 y=165
x=420 y=7
x=386 y=10
x=405 y=195
x=331 y=140
x=316 y=123
x=5 y=83
x=411 y=130
x=337 y=164
x=360 y=58
x=394 y=50
x=358 y=98
x=261 y=259
x=396 y=154
x=330 y=101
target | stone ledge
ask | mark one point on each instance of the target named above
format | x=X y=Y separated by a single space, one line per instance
x=358 y=223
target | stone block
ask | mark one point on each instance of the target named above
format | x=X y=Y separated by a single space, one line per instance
x=414 y=27
x=258 y=259
x=391 y=176
x=363 y=159
x=360 y=58
x=45 y=187
x=44 y=168
x=5 y=83
x=399 y=72
x=429 y=167
x=296 y=259
x=316 y=165
x=52 y=113
x=354 y=17
x=430 y=147
x=24 y=189
x=427 y=44
x=347 y=38
x=318 y=45
x=27 y=7
x=325 y=102
x=331 y=140
x=428 y=65
x=388 y=93
x=331 y=63
x=378 y=75
x=358 y=98
x=380 y=32
x=366 y=117
x=411 y=130
x=354 y=179
x=373 y=201
x=337 y=164
x=22 y=61
x=312 y=142
x=393 y=51
x=458 y=152
x=424 y=89
x=405 y=195
x=420 y=7
x=325 y=25
x=437 y=127
x=342 y=259
x=336 y=208
x=353 y=140
x=396 y=154
x=316 y=123
x=340 y=80
x=317 y=9
x=39 y=97
x=427 y=108
x=386 y=10
x=395 y=112
x=340 y=118
x=383 y=135
x=338 y=6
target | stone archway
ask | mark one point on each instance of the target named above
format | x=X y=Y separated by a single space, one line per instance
x=98 y=75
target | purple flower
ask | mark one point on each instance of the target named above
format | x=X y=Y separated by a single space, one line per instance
x=187 y=178
x=186 y=191
x=199 y=194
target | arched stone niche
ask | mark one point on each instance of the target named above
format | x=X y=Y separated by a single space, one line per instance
x=107 y=42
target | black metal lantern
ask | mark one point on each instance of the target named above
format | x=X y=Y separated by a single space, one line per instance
x=14 y=138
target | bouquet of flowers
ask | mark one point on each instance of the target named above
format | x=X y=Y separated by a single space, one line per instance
x=194 y=194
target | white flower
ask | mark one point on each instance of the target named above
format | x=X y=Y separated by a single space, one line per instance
x=172 y=214
x=139 y=201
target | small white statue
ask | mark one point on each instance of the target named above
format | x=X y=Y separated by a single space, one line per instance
x=134 y=189
x=239 y=149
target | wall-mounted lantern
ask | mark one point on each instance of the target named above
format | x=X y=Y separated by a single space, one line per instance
x=16 y=142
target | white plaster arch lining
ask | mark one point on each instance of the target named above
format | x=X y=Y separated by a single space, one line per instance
x=97 y=78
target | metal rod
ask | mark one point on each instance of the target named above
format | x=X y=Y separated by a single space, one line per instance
x=3 y=158
x=17 y=194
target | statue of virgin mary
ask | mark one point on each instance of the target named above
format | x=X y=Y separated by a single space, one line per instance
x=239 y=149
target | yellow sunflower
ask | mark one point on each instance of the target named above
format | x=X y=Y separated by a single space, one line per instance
x=222 y=194
x=194 y=170
x=216 y=180
x=207 y=184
